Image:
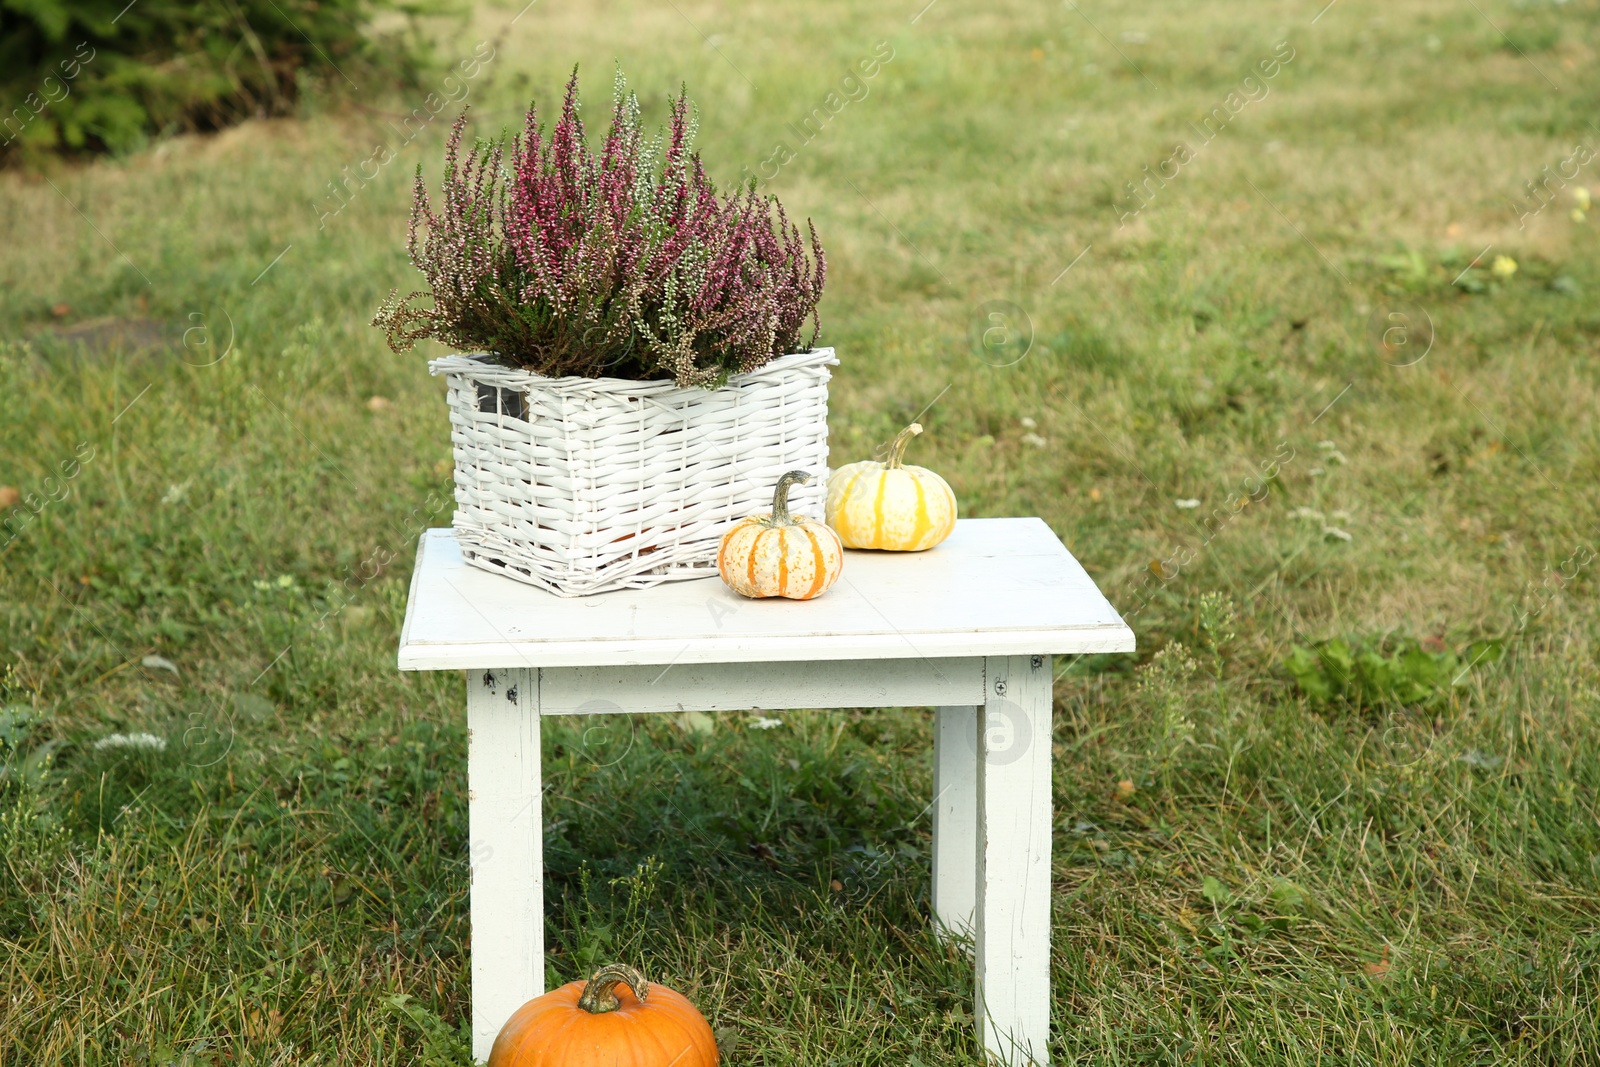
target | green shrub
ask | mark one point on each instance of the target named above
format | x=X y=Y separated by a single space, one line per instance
x=1372 y=671
x=103 y=75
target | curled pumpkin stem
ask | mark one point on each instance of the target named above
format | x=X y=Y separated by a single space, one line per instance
x=599 y=992
x=780 y=497
x=897 y=447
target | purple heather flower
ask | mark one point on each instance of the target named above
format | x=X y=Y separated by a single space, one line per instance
x=629 y=264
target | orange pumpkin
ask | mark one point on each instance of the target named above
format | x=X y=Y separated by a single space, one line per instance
x=615 y=1019
x=781 y=554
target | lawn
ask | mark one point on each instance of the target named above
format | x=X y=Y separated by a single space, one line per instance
x=1250 y=343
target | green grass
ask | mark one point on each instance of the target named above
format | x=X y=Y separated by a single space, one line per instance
x=1279 y=880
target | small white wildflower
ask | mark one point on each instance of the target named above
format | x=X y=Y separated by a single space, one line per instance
x=1308 y=513
x=1028 y=423
x=1187 y=504
x=1317 y=472
x=1327 y=446
x=1034 y=439
x=761 y=722
x=150 y=741
x=175 y=494
x=1336 y=533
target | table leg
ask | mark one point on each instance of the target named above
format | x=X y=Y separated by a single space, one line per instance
x=1012 y=940
x=505 y=818
x=955 y=818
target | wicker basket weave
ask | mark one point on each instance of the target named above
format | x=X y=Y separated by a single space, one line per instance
x=585 y=485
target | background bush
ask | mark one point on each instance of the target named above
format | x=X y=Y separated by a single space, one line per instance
x=104 y=75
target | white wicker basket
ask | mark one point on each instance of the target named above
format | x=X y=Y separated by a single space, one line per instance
x=585 y=485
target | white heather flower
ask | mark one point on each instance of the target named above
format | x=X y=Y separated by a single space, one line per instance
x=150 y=741
x=1034 y=439
x=1336 y=533
x=1187 y=504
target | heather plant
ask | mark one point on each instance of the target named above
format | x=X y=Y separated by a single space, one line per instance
x=628 y=264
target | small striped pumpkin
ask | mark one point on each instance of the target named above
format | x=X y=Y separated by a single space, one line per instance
x=888 y=505
x=780 y=554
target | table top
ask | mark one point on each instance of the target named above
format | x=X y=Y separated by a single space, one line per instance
x=995 y=587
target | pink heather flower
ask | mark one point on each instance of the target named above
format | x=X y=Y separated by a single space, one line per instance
x=626 y=264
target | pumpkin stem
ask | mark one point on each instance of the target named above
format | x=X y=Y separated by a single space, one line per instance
x=897 y=447
x=780 y=497
x=599 y=992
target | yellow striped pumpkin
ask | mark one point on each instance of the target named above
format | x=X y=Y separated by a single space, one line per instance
x=780 y=554
x=888 y=505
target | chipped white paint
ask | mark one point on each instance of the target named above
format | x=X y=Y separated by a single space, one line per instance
x=955 y=815
x=505 y=838
x=760 y=686
x=1012 y=942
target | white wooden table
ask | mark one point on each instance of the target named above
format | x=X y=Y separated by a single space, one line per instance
x=967 y=627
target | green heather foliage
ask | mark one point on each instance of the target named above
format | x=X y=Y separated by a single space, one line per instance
x=104 y=75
